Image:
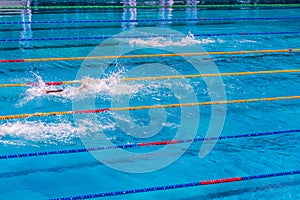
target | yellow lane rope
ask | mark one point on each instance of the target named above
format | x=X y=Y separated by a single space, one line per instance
x=212 y=75
x=157 y=55
x=14 y=85
x=18 y=116
x=162 y=77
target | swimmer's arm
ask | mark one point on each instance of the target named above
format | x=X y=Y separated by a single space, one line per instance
x=51 y=91
x=82 y=87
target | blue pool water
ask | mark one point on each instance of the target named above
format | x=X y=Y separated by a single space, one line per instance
x=45 y=177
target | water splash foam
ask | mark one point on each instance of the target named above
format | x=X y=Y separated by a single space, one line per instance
x=37 y=132
x=111 y=86
x=189 y=40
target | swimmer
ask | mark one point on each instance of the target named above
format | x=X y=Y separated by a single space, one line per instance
x=61 y=90
x=82 y=86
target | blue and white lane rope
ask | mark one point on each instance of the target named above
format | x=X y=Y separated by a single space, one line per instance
x=151 y=20
x=176 y=186
x=142 y=144
x=148 y=36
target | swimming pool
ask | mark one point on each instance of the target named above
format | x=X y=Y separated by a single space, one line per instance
x=44 y=157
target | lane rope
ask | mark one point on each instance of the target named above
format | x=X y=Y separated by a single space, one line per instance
x=158 y=78
x=183 y=185
x=289 y=50
x=143 y=144
x=153 y=6
x=44 y=114
x=151 y=20
x=148 y=36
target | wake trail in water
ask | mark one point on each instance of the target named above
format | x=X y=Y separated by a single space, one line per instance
x=37 y=132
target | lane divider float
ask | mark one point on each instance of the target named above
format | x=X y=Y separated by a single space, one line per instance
x=158 y=78
x=153 y=6
x=143 y=144
x=100 y=37
x=183 y=185
x=101 y=110
x=290 y=50
x=151 y=20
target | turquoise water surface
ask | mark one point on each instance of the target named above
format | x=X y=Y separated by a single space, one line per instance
x=72 y=174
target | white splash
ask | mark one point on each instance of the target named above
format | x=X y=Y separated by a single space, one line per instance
x=20 y=133
x=110 y=86
x=247 y=41
x=189 y=40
